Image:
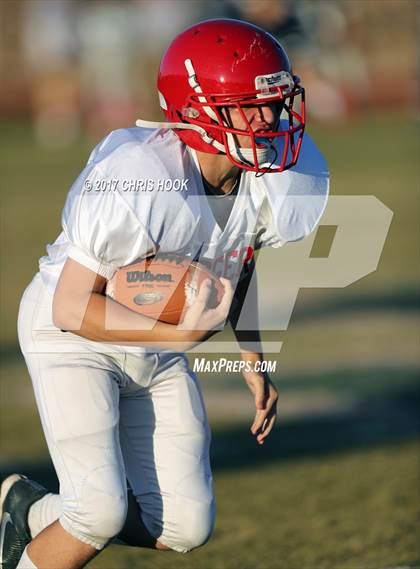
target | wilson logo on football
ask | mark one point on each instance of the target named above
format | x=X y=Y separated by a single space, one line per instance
x=148 y=298
x=141 y=276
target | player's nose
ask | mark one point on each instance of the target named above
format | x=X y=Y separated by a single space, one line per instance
x=265 y=116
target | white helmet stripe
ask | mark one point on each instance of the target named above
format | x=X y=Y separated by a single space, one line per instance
x=194 y=84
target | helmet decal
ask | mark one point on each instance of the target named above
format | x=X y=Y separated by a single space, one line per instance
x=282 y=79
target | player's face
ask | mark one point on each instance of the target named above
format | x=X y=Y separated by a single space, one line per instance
x=262 y=118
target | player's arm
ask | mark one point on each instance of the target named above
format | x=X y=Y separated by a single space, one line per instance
x=80 y=306
x=249 y=341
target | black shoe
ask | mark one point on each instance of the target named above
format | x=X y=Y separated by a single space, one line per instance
x=18 y=493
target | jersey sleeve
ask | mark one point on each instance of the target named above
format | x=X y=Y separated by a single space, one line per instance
x=294 y=199
x=104 y=233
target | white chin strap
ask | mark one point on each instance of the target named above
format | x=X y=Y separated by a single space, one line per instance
x=265 y=155
x=185 y=126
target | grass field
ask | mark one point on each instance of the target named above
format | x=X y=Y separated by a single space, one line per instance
x=312 y=513
x=337 y=486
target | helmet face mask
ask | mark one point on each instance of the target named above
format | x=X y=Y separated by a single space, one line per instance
x=214 y=77
x=260 y=153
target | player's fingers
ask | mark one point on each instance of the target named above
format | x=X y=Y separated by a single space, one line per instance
x=194 y=313
x=267 y=428
x=219 y=314
x=224 y=305
x=271 y=418
x=260 y=417
x=203 y=294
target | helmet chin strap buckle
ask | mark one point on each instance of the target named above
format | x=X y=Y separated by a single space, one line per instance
x=190 y=113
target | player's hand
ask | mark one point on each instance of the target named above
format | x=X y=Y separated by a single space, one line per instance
x=266 y=397
x=201 y=320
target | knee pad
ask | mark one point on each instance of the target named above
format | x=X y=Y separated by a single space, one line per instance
x=101 y=508
x=195 y=523
x=195 y=511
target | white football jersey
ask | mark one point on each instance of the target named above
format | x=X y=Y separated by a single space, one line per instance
x=141 y=193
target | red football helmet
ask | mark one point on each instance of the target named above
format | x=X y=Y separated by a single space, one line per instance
x=230 y=64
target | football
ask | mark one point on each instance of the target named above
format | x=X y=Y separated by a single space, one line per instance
x=161 y=287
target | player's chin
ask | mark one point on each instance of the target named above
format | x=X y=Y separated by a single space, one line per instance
x=246 y=142
x=243 y=142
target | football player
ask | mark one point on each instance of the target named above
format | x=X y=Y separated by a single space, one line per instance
x=122 y=412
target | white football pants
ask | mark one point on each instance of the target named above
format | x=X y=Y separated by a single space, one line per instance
x=112 y=416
